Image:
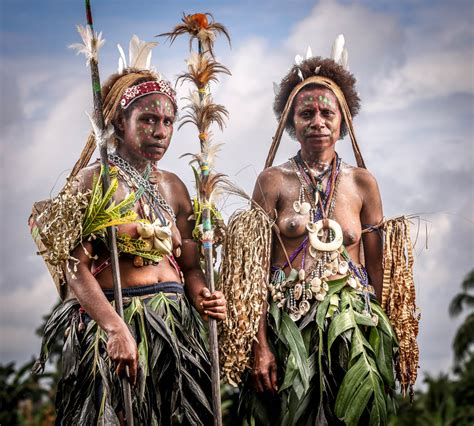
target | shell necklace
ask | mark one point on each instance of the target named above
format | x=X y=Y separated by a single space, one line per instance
x=155 y=231
x=296 y=291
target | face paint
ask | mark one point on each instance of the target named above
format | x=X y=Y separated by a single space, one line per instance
x=316 y=118
x=147 y=130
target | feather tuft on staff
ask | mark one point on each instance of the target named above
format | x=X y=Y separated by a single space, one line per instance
x=91 y=43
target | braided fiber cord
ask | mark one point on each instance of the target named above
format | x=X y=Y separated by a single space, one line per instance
x=398 y=298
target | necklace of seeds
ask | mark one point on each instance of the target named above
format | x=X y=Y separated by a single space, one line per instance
x=134 y=179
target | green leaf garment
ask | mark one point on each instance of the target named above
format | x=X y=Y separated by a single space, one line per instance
x=336 y=364
x=173 y=383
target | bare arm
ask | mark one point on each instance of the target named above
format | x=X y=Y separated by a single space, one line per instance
x=207 y=304
x=371 y=214
x=121 y=345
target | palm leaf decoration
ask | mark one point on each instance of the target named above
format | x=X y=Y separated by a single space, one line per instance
x=98 y=216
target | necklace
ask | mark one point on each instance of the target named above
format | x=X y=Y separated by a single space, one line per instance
x=133 y=178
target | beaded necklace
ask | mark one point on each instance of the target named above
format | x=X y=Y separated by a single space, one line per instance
x=135 y=180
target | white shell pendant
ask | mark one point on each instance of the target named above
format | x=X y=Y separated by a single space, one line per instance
x=301 y=274
x=315 y=285
x=312 y=251
x=297 y=206
x=343 y=267
x=352 y=282
x=295 y=316
x=305 y=208
x=298 y=291
x=304 y=307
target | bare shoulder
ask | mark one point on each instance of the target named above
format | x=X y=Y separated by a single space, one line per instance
x=361 y=177
x=274 y=176
x=172 y=181
x=85 y=177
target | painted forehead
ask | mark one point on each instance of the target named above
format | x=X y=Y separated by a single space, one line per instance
x=323 y=96
x=155 y=102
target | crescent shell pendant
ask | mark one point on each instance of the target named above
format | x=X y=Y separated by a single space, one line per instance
x=320 y=245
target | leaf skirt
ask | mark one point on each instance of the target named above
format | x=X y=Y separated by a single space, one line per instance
x=335 y=364
x=173 y=383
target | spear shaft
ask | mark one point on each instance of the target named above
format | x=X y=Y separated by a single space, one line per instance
x=112 y=230
x=209 y=274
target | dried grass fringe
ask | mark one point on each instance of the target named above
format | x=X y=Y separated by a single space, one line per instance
x=398 y=298
x=244 y=275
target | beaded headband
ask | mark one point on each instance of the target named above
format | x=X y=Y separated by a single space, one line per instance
x=159 y=86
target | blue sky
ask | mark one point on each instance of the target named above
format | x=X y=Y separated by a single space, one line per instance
x=413 y=61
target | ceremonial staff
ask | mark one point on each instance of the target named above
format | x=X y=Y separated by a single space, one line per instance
x=202 y=112
x=92 y=43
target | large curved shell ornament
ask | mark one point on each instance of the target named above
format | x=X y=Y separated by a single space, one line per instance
x=330 y=246
x=312 y=251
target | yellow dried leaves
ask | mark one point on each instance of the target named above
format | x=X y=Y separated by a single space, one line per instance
x=399 y=300
x=244 y=275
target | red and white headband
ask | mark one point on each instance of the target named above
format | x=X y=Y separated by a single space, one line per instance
x=142 y=89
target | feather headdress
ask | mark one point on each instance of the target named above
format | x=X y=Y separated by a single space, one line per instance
x=139 y=54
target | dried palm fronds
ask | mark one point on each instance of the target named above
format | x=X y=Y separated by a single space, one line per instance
x=202 y=70
x=399 y=300
x=200 y=26
x=59 y=225
x=244 y=273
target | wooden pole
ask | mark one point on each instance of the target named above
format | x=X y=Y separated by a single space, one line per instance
x=112 y=230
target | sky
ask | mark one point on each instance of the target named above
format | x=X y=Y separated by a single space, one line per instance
x=414 y=65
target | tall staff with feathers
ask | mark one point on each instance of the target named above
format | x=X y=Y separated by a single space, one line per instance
x=202 y=112
x=92 y=43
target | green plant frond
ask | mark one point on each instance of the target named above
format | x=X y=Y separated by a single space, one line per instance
x=291 y=335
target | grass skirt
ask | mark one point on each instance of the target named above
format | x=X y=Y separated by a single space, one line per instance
x=335 y=364
x=173 y=384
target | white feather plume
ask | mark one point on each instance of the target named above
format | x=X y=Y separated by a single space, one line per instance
x=122 y=59
x=309 y=52
x=139 y=51
x=300 y=74
x=337 y=48
x=345 y=59
x=298 y=59
x=91 y=43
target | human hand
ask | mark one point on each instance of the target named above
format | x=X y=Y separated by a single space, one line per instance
x=122 y=350
x=211 y=305
x=264 y=370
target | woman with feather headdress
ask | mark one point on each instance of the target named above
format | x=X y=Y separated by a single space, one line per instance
x=324 y=350
x=160 y=341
